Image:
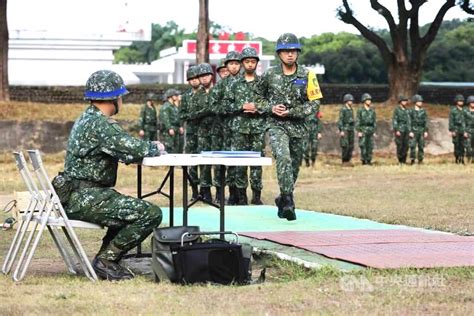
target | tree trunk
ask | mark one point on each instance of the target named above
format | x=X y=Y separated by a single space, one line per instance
x=202 y=52
x=4 y=93
x=403 y=81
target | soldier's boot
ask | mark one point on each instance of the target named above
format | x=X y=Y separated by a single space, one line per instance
x=242 y=192
x=420 y=161
x=195 y=194
x=364 y=162
x=278 y=203
x=206 y=194
x=110 y=270
x=461 y=160
x=412 y=162
x=306 y=162
x=313 y=161
x=218 y=196
x=369 y=162
x=256 y=197
x=233 y=196
x=288 y=207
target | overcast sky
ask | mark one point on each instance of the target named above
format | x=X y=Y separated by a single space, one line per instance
x=264 y=18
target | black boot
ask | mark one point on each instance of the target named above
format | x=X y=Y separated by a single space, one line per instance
x=195 y=195
x=413 y=161
x=306 y=162
x=256 y=197
x=218 y=196
x=279 y=205
x=243 y=197
x=110 y=270
x=364 y=162
x=313 y=162
x=233 y=196
x=288 y=207
x=206 y=194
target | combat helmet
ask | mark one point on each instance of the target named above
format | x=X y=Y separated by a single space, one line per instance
x=249 y=52
x=287 y=41
x=150 y=96
x=348 y=97
x=191 y=73
x=232 y=56
x=104 y=85
x=169 y=93
x=417 y=98
x=221 y=64
x=365 y=97
x=402 y=98
x=470 y=99
x=204 y=69
x=459 y=98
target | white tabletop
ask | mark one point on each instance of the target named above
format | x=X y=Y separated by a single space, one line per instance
x=196 y=159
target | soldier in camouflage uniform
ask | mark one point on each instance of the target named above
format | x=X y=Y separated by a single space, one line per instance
x=346 y=129
x=221 y=127
x=191 y=123
x=469 y=129
x=311 y=142
x=419 y=128
x=169 y=122
x=222 y=70
x=401 y=124
x=365 y=126
x=180 y=135
x=95 y=147
x=248 y=126
x=456 y=128
x=282 y=95
x=148 y=120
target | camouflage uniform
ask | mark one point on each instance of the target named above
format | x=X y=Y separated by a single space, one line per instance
x=366 y=124
x=206 y=118
x=148 y=122
x=401 y=122
x=191 y=146
x=457 y=125
x=311 y=141
x=419 y=126
x=469 y=129
x=346 y=125
x=169 y=119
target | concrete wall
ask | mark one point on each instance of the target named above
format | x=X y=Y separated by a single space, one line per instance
x=51 y=137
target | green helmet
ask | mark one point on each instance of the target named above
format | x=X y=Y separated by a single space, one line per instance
x=459 y=98
x=169 y=93
x=470 y=99
x=288 y=41
x=249 y=52
x=150 y=96
x=104 y=85
x=402 y=98
x=191 y=73
x=417 y=98
x=365 y=97
x=204 y=69
x=221 y=64
x=232 y=56
x=347 y=97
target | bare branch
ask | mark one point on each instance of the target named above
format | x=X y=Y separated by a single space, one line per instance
x=383 y=11
x=434 y=28
x=466 y=6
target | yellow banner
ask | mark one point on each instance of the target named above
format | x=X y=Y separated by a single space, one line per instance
x=313 y=91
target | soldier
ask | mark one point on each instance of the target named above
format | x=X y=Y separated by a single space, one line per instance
x=311 y=142
x=419 y=128
x=176 y=98
x=248 y=126
x=169 y=122
x=95 y=147
x=365 y=126
x=148 y=120
x=456 y=128
x=346 y=129
x=287 y=94
x=469 y=130
x=191 y=123
x=401 y=124
x=222 y=70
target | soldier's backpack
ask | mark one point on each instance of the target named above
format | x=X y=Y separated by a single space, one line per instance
x=181 y=255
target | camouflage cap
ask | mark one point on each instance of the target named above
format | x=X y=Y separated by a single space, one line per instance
x=365 y=97
x=458 y=98
x=347 y=97
x=204 y=69
x=232 y=56
x=416 y=98
x=191 y=73
x=249 y=52
x=470 y=99
x=221 y=64
x=288 y=41
x=402 y=98
x=104 y=85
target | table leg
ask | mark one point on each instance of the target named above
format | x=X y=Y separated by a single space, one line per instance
x=171 y=196
x=139 y=195
x=222 y=202
x=185 y=195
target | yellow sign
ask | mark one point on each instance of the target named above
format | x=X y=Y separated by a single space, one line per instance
x=313 y=91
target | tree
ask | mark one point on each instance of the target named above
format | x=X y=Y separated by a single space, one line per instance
x=4 y=93
x=202 y=52
x=404 y=55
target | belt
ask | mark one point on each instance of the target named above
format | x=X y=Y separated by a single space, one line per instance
x=84 y=184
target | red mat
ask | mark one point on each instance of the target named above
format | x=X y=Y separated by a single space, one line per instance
x=382 y=248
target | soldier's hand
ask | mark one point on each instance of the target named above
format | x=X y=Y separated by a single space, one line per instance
x=465 y=135
x=181 y=130
x=359 y=134
x=453 y=134
x=171 y=132
x=375 y=135
x=249 y=108
x=411 y=135
x=320 y=136
x=341 y=133
x=398 y=134
x=425 y=134
x=279 y=109
x=160 y=146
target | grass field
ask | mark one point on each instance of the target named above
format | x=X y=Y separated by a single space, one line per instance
x=436 y=195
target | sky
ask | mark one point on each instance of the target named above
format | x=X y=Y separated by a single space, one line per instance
x=262 y=18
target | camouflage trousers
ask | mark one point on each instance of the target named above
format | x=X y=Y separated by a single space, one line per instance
x=204 y=144
x=288 y=153
x=402 y=146
x=459 y=147
x=169 y=142
x=217 y=144
x=192 y=148
x=366 y=144
x=417 y=141
x=469 y=144
x=347 y=145
x=129 y=220
x=311 y=146
x=249 y=142
x=150 y=135
x=228 y=141
x=180 y=144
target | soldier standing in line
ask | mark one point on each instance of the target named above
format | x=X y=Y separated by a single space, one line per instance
x=346 y=129
x=180 y=134
x=401 y=124
x=96 y=145
x=456 y=128
x=191 y=122
x=221 y=127
x=222 y=70
x=419 y=128
x=248 y=126
x=469 y=130
x=287 y=94
x=312 y=141
x=365 y=125
x=169 y=122
x=148 y=120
